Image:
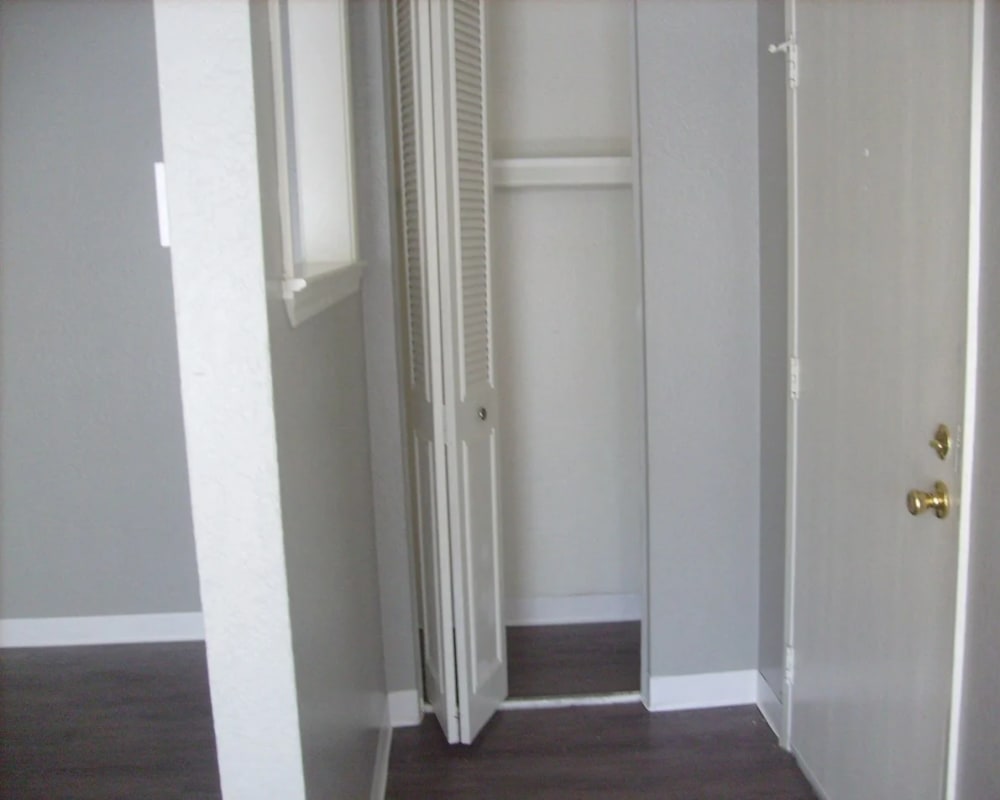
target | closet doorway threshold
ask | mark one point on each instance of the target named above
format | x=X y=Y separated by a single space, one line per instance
x=565 y=701
x=589 y=660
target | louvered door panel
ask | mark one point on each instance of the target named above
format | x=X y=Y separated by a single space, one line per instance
x=472 y=406
x=445 y=211
x=473 y=199
x=409 y=143
x=425 y=390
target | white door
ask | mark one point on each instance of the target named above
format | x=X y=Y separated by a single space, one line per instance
x=424 y=373
x=453 y=406
x=458 y=42
x=883 y=223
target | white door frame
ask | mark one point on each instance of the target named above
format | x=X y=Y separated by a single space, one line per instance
x=792 y=414
x=644 y=582
x=967 y=434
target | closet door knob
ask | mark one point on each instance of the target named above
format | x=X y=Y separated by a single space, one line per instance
x=482 y=414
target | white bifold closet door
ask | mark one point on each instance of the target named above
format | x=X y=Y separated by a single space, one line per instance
x=452 y=396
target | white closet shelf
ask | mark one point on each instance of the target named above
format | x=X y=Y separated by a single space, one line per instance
x=524 y=173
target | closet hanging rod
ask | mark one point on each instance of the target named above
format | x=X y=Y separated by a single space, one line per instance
x=581 y=171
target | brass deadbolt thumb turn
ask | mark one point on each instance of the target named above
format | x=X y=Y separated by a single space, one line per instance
x=917 y=502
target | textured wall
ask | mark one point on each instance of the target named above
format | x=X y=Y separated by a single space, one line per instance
x=697 y=66
x=772 y=154
x=95 y=515
x=207 y=105
x=979 y=775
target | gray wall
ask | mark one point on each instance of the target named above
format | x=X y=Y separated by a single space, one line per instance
x=95 y=513
x=772 y=163
x=324 y=464
x=382 y=349
x=979 y=775
x=697 y=66
x=329 y=529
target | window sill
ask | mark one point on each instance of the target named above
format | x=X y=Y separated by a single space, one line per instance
x=306 y=297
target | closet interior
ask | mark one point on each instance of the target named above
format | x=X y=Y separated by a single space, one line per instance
x=568 y=343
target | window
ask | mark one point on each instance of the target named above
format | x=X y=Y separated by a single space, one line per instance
x=310 y=58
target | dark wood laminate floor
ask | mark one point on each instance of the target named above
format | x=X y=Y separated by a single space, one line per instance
x=130 y=721
x=600 y=752
x=556 y=660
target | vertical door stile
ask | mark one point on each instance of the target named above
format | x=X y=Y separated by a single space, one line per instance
x=424 y=374
x=471 y=392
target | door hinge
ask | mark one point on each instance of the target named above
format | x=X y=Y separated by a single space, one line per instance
x=794 y=378
x=791 y=51
x=789 y=666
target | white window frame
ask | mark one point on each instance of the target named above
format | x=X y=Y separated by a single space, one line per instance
x=314 y=137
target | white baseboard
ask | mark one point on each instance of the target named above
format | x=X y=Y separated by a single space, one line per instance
x=769 y=705
x=572 y=609
x=706 y=690
x=817 y=787
x=124 y=629
x=405 y=709
x=380 y=772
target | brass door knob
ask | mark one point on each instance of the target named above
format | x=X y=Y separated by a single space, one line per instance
x=917 y=502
